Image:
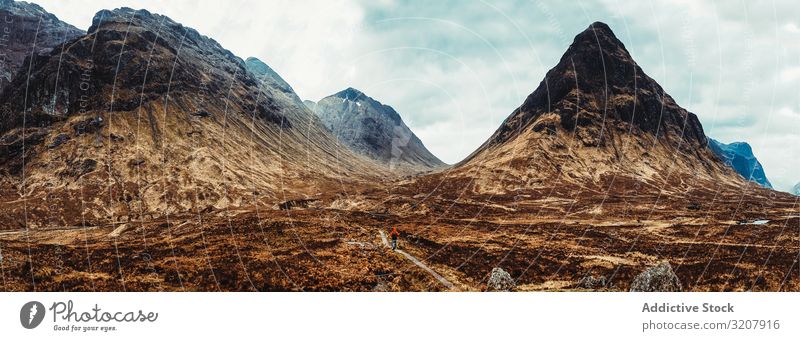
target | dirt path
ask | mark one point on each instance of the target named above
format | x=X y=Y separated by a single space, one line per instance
x=421 y=265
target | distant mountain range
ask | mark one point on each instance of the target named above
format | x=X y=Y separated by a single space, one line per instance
x=739 y=155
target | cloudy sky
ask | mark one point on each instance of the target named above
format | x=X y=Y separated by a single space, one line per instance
x=455 y=69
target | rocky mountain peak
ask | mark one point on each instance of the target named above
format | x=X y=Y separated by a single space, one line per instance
x=162 y=29
x=596 y=60
x=599 y=35
x=355 y=97
x=597 y=106
x=596 y=83
x=373 y=129
x=266 y=74
x=351 y=94
x=23 y=25
x=22 y=8
x=136 y=52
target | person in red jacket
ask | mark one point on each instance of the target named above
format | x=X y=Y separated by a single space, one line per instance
x=394 y=234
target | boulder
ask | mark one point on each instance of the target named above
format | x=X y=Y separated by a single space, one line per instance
x=658 y=278
x=593 y=283
x=500 y=280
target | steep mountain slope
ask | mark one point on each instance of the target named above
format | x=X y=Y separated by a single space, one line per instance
x=143 y=116
x=595 y=118
x=739 y=155
x=272 y=82
x=374 y=130
x=27 y=29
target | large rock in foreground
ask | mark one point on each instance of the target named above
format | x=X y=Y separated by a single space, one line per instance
x=660 y=278
x=500 y=280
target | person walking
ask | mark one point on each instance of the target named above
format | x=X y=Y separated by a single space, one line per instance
x=394 y=234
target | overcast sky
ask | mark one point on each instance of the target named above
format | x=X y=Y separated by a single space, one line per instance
x=455 y=69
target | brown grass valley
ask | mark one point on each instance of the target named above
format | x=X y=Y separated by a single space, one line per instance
x=141 y=155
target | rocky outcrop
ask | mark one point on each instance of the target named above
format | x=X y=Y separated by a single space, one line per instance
x=500 y=280
x=375 y=130
x=597 y=81
x=739 y=156
x=28 y=30
x=660 y=278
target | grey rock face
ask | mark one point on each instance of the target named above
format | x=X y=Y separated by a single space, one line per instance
x=28 y=30
x=500 y=280
x=660 y=278
x=374 y=130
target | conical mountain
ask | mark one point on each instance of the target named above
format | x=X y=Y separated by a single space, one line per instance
x=143 y=115
x=375 y=130
x=28 y=30
x=596 y=116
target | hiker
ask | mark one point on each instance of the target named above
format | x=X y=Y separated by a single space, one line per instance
x=394 y=236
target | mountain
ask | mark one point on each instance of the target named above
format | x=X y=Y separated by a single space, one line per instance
x=796 y=189
x=144 y=116
x=375 y=130
x=596 y=119
x=739 y=155
x=27 y=29
x=271 y=80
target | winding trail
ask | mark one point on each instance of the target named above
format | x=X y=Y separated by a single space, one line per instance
x=416 y=261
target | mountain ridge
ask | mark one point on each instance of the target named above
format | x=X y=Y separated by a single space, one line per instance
x=152 y=117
